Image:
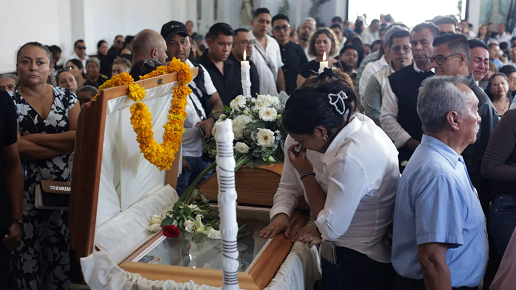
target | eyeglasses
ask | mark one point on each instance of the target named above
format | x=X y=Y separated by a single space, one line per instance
x=119 y=41
x=279 y=28
x=247 y=42
x=439 y=60
x=68 y=68
x=399 y=48
x=81 y=47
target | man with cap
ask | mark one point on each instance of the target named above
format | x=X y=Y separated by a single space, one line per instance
x=202 y=104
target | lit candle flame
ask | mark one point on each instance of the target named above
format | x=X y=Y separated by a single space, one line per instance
x=323 y=58
x=244 y=54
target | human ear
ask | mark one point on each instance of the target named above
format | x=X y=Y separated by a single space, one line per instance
x=320 y=132
x=453 y=119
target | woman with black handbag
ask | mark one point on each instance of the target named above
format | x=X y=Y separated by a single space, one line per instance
x=47 y=119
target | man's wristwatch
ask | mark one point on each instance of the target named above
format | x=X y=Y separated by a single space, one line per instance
x=20 y=222
x=215 y=119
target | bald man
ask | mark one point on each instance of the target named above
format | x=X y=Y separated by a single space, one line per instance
x=149 y=44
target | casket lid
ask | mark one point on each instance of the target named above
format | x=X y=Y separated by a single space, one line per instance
x=88 y=159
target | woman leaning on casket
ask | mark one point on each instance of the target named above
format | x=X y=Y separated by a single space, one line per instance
x=47 y=118
x=347 y=170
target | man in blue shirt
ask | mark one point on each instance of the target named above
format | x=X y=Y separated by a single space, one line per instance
x=439 y=238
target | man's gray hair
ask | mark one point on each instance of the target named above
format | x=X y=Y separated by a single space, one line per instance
x=439 y=95
x=10 y=76
x=94 y=60
x=311 y=20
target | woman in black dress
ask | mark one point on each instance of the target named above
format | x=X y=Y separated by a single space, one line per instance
x=47 y=119
x=323 y=41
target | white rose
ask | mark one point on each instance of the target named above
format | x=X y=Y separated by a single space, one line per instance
x=241 y=147
x=265 y=137
x=155 y=219
x=237 y=103
x=239 y=125
x=154 y=228
x=213 y=234
x=189 y=226
x=268 y=114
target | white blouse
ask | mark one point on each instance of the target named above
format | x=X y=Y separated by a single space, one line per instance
x=359 y=173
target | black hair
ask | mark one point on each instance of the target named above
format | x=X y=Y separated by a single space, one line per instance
x=60 y=72
x=463 y=20
x=357 y=43
x=489 y=46
x=378 y=41
x=388 y=18
x=336 y=19
x=129 y=39
x=438 y=20
x=457 y=43
x=470 y=25
x=309 y=106
x=359 y=24
x=489 y=23
x=219 y=28
x=55 y=49
x=259 y=11
x=90 y=89
x=503 y=45
x=474 y=43
x=237 y=31
x=189 y=21
x=77 y=41
x=398 y=34
x=118 y=37
x=99 y=44
x=280 y=16
x=491 y=79
x=427 y=25
x=367 y=45
x=336 y=26
x=50 y=78
x=77 y=63
x=346 y=47
x=374 y=21
x=507 y=70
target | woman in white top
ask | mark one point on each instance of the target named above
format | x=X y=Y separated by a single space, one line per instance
x=347 y=171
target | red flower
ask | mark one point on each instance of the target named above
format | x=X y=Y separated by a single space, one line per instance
x=171 y=231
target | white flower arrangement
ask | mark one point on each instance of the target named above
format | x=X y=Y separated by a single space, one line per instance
x=257 y=127
x=155 y=223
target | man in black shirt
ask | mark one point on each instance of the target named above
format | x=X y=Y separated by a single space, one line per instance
x=11 y=186
x=242 y=42
x=115 y=49
x=292 y=55
x=220 y=41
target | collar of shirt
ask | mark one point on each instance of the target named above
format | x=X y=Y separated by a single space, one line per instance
x=441 y=148
x=336 y=143
x=421 y=71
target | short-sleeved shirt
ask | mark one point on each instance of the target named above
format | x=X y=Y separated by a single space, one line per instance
x=8 y=129
x=437 y=203
x=294 y=58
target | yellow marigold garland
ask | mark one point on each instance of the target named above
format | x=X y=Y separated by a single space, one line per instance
x=160 y=155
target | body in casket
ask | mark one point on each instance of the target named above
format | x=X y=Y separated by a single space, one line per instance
x=115 y=191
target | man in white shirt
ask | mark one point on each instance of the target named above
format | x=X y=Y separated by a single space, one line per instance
x=399 y=118
x=503 y=36
x=79 y=49
x=267 y=56
x=202 y=103
x=372 y=33
x=304 y=32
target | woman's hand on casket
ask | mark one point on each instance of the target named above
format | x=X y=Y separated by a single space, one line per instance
x=279 y=223
x=299 y=160
x=308 y=235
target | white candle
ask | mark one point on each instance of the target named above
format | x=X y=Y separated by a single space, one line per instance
x=323 y=64
x=227 y=204
x=246 y=77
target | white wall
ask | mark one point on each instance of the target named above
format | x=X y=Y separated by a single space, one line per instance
x=61 y=22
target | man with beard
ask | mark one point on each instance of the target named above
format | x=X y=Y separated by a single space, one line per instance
x=478 y=60
x=203 y=106
x=304 y=32
x=400 y=55
x=292 y=55
x=399 y=118
x=451 y=57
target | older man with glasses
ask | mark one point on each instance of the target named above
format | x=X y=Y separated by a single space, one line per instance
x=242 y=42
x=451 y=58
x=292 y=54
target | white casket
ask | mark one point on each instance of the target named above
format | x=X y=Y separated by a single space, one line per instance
x=115 y=191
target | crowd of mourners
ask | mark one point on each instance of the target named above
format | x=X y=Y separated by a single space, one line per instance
x=407 y=142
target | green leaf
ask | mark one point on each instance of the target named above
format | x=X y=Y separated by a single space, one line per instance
x=181 y=224
x=187 y=211
x=167 y=221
